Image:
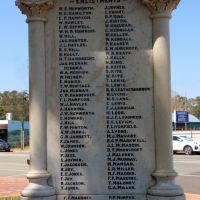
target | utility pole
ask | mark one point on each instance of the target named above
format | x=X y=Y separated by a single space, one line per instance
x=25 y=99
x=22 y=135
x=186 y=111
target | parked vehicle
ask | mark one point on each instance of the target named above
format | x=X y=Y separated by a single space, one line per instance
x=186 y=145
x=187 y=138
x=190 y=139
x=4 y=146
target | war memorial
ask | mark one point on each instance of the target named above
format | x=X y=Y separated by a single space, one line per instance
x=100 y=119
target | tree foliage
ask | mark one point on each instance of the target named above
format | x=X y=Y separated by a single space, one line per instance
x=195 y=108
x=191 y=105
x=16 y=103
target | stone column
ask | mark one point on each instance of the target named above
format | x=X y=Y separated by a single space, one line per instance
x=165 y=187
x=38 y=175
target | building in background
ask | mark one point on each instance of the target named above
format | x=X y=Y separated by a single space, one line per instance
x=16 y=133
x=183 y=120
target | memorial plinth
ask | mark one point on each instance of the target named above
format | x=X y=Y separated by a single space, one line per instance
x=100 y=100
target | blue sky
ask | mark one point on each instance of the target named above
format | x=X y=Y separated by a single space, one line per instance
x=185 y=48
x=13 y=48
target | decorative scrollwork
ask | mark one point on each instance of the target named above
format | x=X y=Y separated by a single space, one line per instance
x=161 y=6
x=34 y=8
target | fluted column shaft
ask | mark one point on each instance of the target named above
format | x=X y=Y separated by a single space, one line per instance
x=164 y=174
x=162 y=95
x=38 y=187
x=37 y=96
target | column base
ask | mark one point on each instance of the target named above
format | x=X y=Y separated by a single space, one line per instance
x=149 y=197
x=38 y=198
x=165 y=187
x=38 y=188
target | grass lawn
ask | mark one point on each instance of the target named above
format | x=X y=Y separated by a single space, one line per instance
x=9 y=198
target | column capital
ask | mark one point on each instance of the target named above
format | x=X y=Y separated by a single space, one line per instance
x=35 y=10
x=161 y=8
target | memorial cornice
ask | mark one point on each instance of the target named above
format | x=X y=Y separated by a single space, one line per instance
x=35 y=10
x=161 y=8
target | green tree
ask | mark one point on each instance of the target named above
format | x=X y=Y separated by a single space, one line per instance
x=195 y=108
x=16 y=103
x=2 y=113
x=182 y=103
x=179 y=103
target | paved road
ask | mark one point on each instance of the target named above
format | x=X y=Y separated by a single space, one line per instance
x=13 y=164
x=188 y=168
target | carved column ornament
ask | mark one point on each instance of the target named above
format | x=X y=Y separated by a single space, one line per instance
x=35 y=9
x=164 y=174
x=161 y=7
x=38 y=187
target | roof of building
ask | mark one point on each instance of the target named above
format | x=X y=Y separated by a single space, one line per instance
x=192 y=118
x=3 y=121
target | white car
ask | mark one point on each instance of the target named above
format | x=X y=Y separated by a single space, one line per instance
x=184 y=144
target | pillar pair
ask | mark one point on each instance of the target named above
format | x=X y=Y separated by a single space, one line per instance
x=38 y=188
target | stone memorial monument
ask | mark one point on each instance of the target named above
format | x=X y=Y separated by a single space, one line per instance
x=100 y=118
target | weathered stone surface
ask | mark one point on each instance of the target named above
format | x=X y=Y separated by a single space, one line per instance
x=161 y=6
x=100 y=96
x=101 y=89
x=34 y=8
x=166 y=198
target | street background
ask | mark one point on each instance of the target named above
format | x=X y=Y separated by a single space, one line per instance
x=14 y=167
